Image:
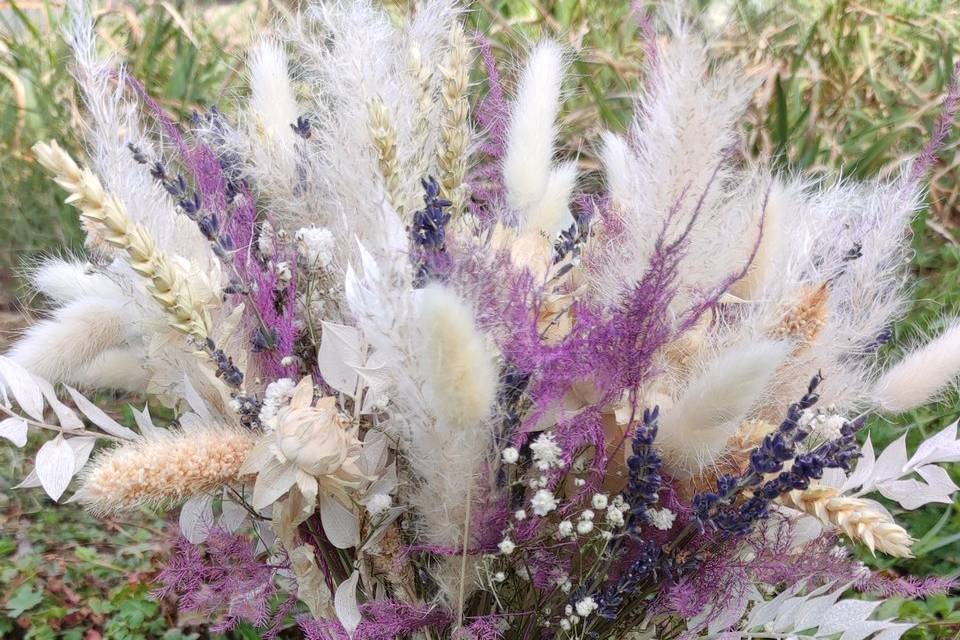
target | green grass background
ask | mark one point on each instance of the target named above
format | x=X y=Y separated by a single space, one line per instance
x=849 y=86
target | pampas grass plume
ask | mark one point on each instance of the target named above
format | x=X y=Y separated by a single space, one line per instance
x=921 y=375
x=163 y=470
x=272 y=99
x=695 y=432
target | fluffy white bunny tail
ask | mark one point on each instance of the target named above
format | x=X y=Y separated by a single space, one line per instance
x=63 y=281
x=528 y=161
x=921 y=375
x=62 y=347
x=619 y=169
x=551 y=214
x=695 y=431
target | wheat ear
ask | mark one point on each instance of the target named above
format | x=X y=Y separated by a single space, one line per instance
x=857 y=518
x=455 y=128
x=107 y=218
x=383 y=134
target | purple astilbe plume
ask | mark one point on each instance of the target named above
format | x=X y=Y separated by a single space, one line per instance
x=484 y=628
x=941 y=129
x=222 y=580
x=904 y=586
x=493 y=115
x=382 y=620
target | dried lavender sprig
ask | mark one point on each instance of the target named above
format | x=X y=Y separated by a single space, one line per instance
x=188 y=202
x=428 y=229
x=644 y=466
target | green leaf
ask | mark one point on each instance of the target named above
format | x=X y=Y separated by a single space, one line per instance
x=23 y=599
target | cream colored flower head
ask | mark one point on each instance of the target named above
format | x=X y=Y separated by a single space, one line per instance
x=309 y=443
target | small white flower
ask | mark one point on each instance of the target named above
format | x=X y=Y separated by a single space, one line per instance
x=315 y=246
x=275 y=397
x=520 y=514
x=587 y=515
x=586 y=606
x=522 y=573
x=579 y=482
x=662 y=519
x=543 y=502
x=510 y=455
x=506 y=546
x=574 y=619
x=568 y=610
x=606 y=535
x=546 y=452
x=287 y=361
x=599 y=501
x=566 y=586
x=565 y=529
x=265 y=240
x=499 y=576
x=284 y=274
x=378 y=503
x=565 y=625
x=584 y=527
x=615 y=517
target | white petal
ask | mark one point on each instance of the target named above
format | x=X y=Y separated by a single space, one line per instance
x=274 y=480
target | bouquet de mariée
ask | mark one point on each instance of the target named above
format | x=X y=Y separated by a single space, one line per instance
x=423 y=377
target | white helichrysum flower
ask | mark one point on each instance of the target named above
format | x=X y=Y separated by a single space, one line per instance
x=378 y=503
x=922 y=374
x=587 y=515
x=546 y=452
x=499 y=576
x=584 y=527
x=316 y=246
x=506 y=546
x=565 y=529
x=827 y=427
x=586 y=606
x=276 y=395
x=306 y=446
x=543 y=502
x=599 y=501
x=510 y=455
x=520 y=514
x=661 y=518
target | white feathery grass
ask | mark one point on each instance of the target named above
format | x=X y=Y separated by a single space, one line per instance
x=619 y=167
x=528 y=161
x=61 y=347
x=272 y=100
x=694 y=432
x=551 y=213
x=921 y=375
x=65 y=280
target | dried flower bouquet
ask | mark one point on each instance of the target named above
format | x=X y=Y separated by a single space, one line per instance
x=426 y=385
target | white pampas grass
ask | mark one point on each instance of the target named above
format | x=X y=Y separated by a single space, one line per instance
x=921 y=375
x=537 y=191
x=694 y=433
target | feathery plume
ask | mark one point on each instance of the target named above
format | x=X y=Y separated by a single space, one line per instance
x=859 y=519
x=921 y=375
x=695 y=432
x=272 y=100
x=163 y=470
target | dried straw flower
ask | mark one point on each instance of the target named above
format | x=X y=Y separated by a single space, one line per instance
x=163 y=470
x=858 y=519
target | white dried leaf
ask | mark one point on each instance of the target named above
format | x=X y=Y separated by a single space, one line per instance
x=14 y=430
x=346 y=605
x=341 y=526
x=22 y=386
x=55 y=466
x=99 y=418
x=274 y=480
x=196 y=518
x=195 y=401
x=82 y=447
x=341 y=351
x=233 y=515
x=65 y=415
x=145 y=423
